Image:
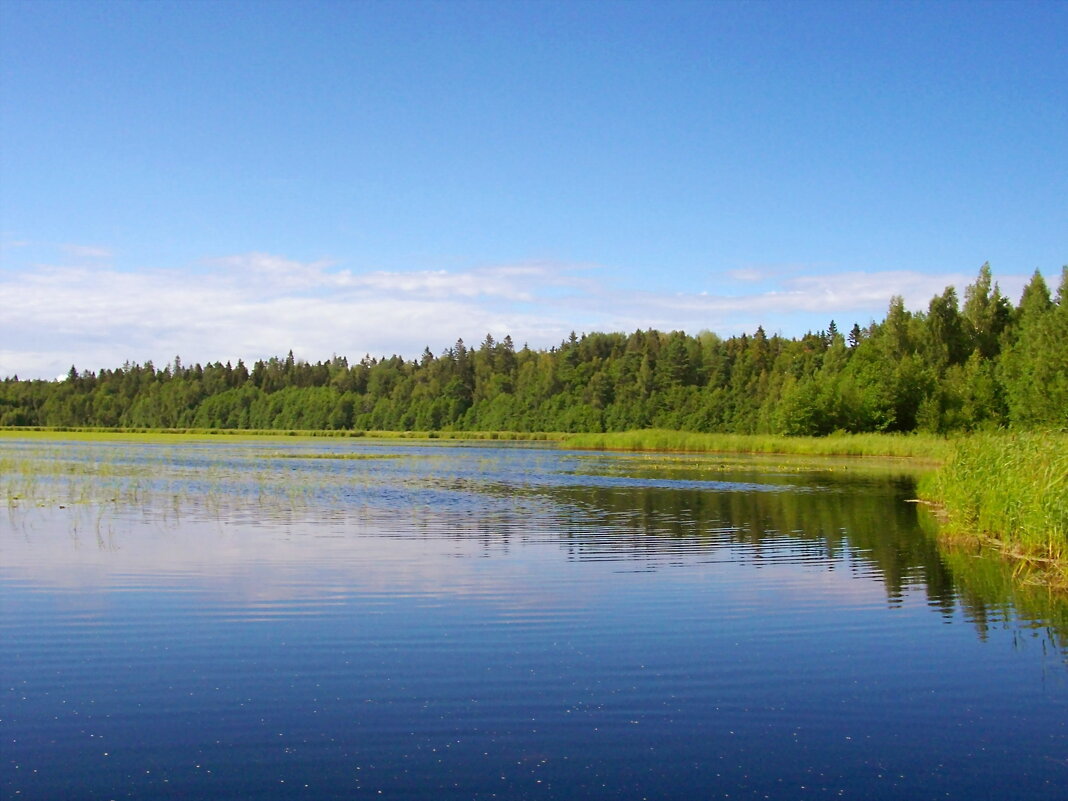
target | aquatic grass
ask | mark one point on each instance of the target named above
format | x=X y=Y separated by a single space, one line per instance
x=337 y=456
x=727 y=462
x=101 y=481
x=54 y=475
x=82 y=433
x=1010 y=492
x=1007 y=489
x=913 y=446
x=79 y=473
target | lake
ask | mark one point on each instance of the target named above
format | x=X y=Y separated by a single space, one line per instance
x=319 y=619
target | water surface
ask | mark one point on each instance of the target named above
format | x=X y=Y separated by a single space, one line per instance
x=265 y=619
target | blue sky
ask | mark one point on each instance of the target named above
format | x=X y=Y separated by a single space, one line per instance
x=227 y=180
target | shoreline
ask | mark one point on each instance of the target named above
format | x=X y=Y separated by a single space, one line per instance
x=1004 y=493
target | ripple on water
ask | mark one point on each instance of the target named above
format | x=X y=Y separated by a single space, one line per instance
x=471 y=622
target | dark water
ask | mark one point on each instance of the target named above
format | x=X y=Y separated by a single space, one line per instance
x=463 y=622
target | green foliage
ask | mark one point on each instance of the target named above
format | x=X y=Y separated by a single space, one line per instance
x=1034 y=368
x=1011 y=489
x=940 y=371
x=914 y=446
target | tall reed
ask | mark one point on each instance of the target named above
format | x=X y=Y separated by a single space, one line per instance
x=916 y=446
x=1008 y=489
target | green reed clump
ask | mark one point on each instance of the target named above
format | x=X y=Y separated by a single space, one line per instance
x=906 y=445
x=1011 y=490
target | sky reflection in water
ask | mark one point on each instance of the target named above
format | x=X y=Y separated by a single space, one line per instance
x=474 y=622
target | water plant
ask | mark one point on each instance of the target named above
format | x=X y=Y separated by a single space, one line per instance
x=925 y=447
x=1009 y=492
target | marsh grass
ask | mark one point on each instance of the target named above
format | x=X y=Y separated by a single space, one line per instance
x=149 y=480
x=1008 y=492
x=716 y=462
x=185 y=434
x=356 y=457
x=914 y=446
x=53 y=475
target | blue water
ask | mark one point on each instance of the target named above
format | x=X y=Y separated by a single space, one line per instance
x=226 y=621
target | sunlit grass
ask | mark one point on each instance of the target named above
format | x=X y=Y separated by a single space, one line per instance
x=1009 y=491
x=914 y=446
x=185 y=434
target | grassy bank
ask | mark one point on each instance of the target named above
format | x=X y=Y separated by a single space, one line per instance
x=915 y=446
x=1008 y=492
x=1000 y=491
x=169 y=434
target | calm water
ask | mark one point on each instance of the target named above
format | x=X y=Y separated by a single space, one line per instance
x=232 y=621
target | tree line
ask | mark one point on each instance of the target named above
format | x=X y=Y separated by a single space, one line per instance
x=984 y=363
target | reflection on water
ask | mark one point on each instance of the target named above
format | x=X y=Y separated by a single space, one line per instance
x=234 y=620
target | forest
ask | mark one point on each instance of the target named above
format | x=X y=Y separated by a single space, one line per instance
x=968 y=364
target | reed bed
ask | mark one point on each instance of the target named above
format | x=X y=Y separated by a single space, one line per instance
x=1008 y=491
x=914 y=446
x=925 y=448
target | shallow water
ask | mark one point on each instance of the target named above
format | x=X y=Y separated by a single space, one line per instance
x=235 y=620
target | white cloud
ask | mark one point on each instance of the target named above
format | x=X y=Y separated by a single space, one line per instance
x=87 y=251
x=747 y=275
x=262 y=272
x=439 y=283
x=258 y=305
